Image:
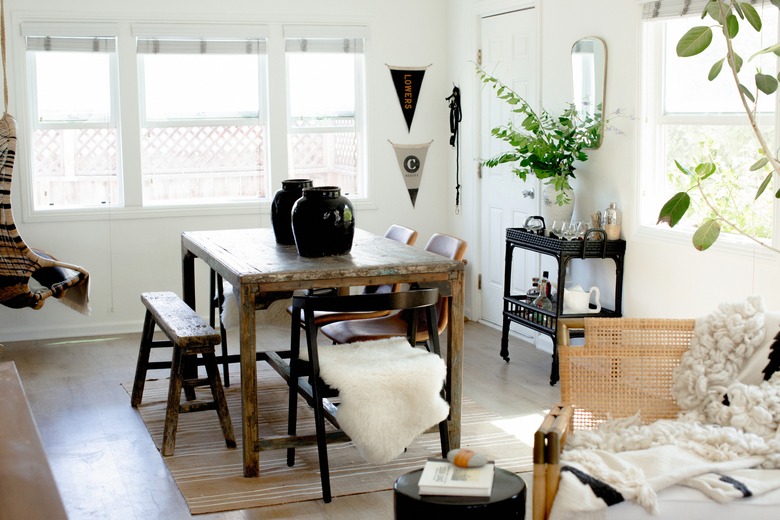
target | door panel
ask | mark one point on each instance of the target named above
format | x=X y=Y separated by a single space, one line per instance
x=508 y=53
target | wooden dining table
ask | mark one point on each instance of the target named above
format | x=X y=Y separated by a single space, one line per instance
x=262 y=271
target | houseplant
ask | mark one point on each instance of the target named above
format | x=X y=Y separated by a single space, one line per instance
x=726 y=15
x=543 y=145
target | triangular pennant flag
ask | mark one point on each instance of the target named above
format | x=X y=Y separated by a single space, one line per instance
x=411 y=159
x=407 y=81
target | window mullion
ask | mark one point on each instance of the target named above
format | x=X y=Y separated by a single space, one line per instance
x=129 y=121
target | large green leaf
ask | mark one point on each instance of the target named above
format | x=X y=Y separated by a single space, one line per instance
x=694 y=41
x=732 y=26
x=772 y=48
x=706 y=235
x=674 y=209
x=737 y=61
x=715 y=70
x=713 y=9
x=764 y=184
x=704 y=170
x=746 y=92
x=683 y=169
x=759 y=164
x=766 y=83
x=751 y=15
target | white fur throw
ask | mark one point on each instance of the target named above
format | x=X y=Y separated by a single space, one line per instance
x=389 y=391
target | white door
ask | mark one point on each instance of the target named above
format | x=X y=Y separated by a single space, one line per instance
x=509 y=52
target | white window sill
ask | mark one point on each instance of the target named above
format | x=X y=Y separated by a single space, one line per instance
x=726 y=244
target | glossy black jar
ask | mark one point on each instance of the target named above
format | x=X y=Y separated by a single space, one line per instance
x=281 y=208
x=323 y=222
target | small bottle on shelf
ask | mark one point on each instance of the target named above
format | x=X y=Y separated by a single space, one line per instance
x=543 y=300
x=533 y=292
x=612 y=222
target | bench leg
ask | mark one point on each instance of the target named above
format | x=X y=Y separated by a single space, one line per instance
x=220 y=402
x=174 y=399
x=143 y=360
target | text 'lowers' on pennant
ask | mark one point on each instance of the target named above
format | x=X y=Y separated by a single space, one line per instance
x=408 y=81
x=411 y=159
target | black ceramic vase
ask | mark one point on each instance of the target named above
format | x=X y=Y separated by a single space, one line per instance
x=281 y=208
x=323 y=222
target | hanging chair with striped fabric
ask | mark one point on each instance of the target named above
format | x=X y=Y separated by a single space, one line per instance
x=28 y=276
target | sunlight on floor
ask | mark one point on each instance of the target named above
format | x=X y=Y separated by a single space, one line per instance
x=522 y=427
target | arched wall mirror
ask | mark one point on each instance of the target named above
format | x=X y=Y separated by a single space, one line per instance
x=589 y=75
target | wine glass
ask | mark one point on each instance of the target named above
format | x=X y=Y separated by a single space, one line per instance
x=558 y=227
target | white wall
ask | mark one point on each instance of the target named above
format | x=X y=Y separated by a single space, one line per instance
x=126 y=256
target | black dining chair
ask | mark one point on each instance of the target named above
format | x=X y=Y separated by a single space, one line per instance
x=305 y=370
x=401 y=234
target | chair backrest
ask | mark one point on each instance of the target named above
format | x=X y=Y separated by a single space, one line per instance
x=625 y=366
x=455 y=249
x=400 y=234
x=414 y=302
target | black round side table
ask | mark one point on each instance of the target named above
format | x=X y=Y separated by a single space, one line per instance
x=507 y=499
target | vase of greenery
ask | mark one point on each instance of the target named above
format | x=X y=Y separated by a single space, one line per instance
x=544 y=145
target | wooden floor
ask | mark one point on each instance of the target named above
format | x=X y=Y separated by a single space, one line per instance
x=107 y=467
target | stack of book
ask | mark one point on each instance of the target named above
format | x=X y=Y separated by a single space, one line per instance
x=441 y=477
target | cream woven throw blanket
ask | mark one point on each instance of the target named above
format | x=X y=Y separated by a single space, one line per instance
x=725 y=442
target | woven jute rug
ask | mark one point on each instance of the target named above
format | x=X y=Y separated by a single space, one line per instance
x=209 y=475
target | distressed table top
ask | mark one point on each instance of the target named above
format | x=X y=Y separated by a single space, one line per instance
x=252 y=256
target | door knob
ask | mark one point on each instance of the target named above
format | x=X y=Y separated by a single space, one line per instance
x=528 y=193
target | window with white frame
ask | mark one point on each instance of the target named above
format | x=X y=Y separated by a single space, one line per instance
x=203 y=124
x=171 y=114
x=689 y=119
x=325 y=128
x=74 y=136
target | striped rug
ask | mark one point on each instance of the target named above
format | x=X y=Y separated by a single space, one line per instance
x=209 y=475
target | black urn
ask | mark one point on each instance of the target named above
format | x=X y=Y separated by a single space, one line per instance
x=281 y=208
x=323 y=222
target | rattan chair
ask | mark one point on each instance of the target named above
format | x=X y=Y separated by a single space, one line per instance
x=625 y=366
x=29 y=276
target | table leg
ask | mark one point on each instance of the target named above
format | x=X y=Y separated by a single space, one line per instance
x=455 y=357
x=188 y=295
x=249 y=411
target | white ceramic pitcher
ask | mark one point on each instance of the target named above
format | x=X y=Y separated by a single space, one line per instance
x=577 y=301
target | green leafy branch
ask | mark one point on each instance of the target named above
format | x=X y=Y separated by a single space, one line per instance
x=726 y=14
x=543 y=145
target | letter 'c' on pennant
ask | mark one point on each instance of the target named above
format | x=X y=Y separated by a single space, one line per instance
x=408 y=81
x=411 y=159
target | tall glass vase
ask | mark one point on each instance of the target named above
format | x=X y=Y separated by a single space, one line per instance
x=551 y=210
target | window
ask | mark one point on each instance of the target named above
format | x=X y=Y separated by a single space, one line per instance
x=692 y=120
x=142 y=115
x=203 y=130
x=75 y=141
x=325 y=112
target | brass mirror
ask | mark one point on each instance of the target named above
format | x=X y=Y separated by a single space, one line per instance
x=589 y=75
